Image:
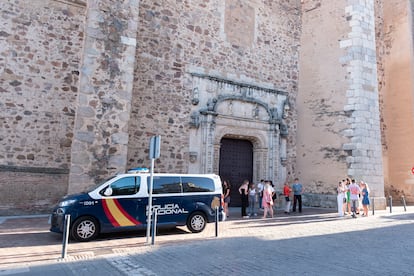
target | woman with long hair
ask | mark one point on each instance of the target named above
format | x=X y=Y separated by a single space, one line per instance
x=244 y=192
x=267 y=201
x=226 y=195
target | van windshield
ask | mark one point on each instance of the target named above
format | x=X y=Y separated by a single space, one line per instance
x=97 y=185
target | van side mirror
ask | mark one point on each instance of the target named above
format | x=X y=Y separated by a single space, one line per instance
x=108 y=191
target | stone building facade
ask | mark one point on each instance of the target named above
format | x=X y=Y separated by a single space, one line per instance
x=304 y=85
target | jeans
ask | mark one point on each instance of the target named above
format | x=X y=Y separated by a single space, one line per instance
x=252 y=202
x=354 y=203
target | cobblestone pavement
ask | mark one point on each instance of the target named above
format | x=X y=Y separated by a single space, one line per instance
x=315 y=242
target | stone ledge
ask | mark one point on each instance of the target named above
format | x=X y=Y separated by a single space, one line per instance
x=45 y=170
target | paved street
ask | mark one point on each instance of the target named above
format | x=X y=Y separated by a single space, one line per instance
x=315 y=242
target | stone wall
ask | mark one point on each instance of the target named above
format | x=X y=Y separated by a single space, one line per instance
x=321 y=161
x=338 y=102
x=396 y=80
x=247 y=42
x=100 y=140
x=39 y=71
x=85 y=84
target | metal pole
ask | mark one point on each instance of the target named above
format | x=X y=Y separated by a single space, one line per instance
x=150 y=201
x=154 y=227
x=217 y=220
x=373 y=206
x=405 y=206
x=65 y=235
x=390 y=204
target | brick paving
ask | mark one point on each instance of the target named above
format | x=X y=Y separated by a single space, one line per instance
x=315 y=242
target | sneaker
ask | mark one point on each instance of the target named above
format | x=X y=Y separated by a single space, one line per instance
x=245 y=216
x=255 y=214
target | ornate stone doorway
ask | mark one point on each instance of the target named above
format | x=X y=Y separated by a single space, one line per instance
x=236 y=165
x=225 y=109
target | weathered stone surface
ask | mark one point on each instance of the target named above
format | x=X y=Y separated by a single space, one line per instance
x=139 y=59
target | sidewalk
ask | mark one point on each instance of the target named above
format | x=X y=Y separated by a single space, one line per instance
x=26 y=243
x=27 y=239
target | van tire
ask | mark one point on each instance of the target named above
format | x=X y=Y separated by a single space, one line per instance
x=85 y=229
x=196 y=222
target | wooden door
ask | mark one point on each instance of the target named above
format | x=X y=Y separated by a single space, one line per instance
x=236 y=165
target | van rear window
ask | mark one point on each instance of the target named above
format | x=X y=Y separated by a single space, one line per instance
x=175 y=184
x=165 y=185
x=197 y=184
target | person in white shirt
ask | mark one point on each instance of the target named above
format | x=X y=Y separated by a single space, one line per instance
x=252 y=200
x=354 y=196
x=341 y=197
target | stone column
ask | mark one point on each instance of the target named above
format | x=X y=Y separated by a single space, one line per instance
x=100 y=141
x=364 y=149
x=273 y=154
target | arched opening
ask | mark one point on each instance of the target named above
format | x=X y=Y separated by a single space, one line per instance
x=236 y=165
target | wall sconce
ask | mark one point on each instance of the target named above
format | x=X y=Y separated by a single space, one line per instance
x=193 y=156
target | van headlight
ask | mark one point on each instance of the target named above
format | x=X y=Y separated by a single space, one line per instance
x=66 y=203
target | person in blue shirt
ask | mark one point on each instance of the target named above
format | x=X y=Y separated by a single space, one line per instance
x=297 y=195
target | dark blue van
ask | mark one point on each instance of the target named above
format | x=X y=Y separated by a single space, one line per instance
x=121 y=204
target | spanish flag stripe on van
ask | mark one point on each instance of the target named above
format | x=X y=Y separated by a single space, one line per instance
x=127 y=216
x=117 y=215
x=108 y=214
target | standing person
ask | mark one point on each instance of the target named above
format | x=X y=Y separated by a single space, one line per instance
x=355 y=191
x=260 y=187
x=226 y=193
x=297 y=195
x=267 y=201
x=272 y=188
x=244 y=192
x=341 y=197
x=252 y=200
x=348 y=195
x=365 y=198
x=286 y=192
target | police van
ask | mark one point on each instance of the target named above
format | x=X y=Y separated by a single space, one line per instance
x=121 y=204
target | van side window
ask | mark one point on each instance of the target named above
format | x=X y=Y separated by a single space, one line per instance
x=165 y=184
x=125 y=186
x=197 y=184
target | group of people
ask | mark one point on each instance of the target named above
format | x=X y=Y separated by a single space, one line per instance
x=351 y=196
x=261 y=196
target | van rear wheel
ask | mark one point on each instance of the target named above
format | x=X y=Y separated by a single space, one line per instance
x=196 y=222
x=85 y=229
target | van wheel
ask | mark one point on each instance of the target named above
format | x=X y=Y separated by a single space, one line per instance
x=196 y=222
x=85 y=229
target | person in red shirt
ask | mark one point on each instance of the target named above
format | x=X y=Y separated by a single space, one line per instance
x=286 y=192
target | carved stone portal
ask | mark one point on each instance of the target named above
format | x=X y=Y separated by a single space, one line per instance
x=238 y=110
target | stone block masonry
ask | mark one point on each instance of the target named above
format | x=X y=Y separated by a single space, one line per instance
x=39 y=74
x=100 y=140
x=363 y=100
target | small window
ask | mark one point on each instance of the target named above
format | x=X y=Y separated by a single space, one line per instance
x=124 y=186
x=165 y=185
x=197 y=184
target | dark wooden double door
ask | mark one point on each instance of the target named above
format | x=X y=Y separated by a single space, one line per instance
x=236 y=165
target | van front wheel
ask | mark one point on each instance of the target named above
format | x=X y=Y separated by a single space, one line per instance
x=196 y=222
x=85 y=229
